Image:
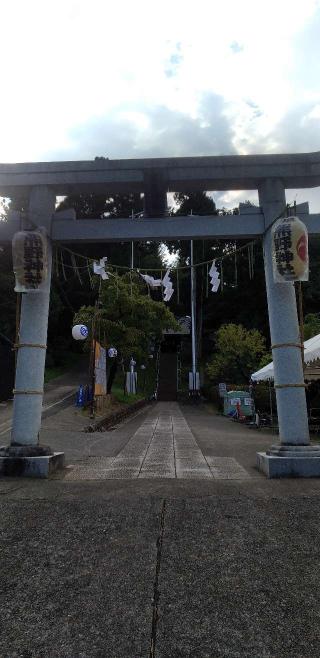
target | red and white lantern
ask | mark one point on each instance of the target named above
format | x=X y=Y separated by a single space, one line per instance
x=290 y=250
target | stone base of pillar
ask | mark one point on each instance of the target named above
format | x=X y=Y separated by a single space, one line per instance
x=18 y=450
x=16 y=462
x=290 y=462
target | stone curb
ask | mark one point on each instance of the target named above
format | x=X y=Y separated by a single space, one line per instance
x=35 y=467
x=116 y=417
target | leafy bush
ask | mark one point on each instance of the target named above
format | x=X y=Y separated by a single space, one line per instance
x=127 y=318
x=238 y=354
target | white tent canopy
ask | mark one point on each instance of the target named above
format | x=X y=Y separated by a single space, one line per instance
x=311 y=353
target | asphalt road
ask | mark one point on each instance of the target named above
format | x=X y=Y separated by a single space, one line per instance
x=166 y=567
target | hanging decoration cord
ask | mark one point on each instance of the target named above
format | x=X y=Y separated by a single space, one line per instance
x=26 y=392
x=90 y=275
x=63 y=266
x=117 y=285
x=235 y=267
x=37 y=345
x=221 y=277
x=228 y=254
x=249 y=247
x=184 y=267
x=277 y=345
x=290 y=385
x=131 y=283
x=56 y=263
x=74 y=263
x=252 y=259
x=178 y=288
x=283 y=213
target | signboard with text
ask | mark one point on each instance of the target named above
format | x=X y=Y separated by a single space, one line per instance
x=222 y=389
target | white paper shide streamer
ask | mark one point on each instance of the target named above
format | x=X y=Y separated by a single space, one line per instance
x=214 y=277
x=168 y=287
x=166 y=283
x=151 y=281
x=99 y=267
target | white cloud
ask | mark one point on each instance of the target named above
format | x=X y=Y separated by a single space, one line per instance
x=129 y=79
x=152 y=131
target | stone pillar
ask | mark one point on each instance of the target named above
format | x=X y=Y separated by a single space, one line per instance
x=35 y=460
x=155 y=194
x=293 y=456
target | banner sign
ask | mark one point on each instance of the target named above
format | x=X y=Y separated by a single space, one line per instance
x=222 y=389
x=100 y=376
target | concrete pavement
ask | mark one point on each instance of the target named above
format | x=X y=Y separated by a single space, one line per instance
x=163 y=446
x=58 y=394
x=199 y=567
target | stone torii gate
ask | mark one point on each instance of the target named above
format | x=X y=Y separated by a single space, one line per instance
x=271 y=175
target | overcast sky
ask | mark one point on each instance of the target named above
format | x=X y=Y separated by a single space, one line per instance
x=122 y=79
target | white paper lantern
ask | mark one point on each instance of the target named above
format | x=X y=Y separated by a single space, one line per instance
x=30 y=261
x=80 y=332
x=290 y=250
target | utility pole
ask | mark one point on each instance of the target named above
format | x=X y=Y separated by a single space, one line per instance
x=194 y=380
x=132 y=252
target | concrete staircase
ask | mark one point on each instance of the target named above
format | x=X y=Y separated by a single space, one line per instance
x=167 y=390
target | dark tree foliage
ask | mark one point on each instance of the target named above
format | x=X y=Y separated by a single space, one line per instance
x=7 y=295
x=68 y=290
x=195 y=203
x=311 y=289
x=99 y=206
x=240 y=300
x=238 y=353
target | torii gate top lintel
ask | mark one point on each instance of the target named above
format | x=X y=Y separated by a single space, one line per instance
x=231 y=172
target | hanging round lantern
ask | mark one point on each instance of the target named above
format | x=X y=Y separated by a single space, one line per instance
x=80 y=332
x=290 y=250
x=30 y=260
x=112 y=352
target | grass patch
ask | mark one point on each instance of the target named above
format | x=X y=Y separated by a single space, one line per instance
x=66 y=361
x=52 y=373
x=125 y=398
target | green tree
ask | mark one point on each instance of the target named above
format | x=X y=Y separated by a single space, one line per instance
x=238 y=354
x=127 y=317
x=100 y=206
x=197 y=203
x=241 y=297
x=311 y=325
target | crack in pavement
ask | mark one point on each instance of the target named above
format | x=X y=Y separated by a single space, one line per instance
x=156 y=590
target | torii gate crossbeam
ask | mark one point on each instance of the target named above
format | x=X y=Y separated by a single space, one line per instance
x=241 y=227
x=230 y=172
